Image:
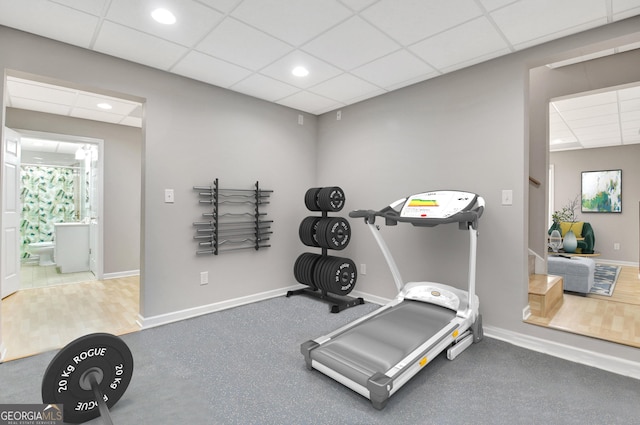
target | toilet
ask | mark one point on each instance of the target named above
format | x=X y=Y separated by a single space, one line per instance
x=44 y=250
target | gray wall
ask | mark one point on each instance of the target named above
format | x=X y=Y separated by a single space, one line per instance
x=466 y=130
x=122 y=173
x=608 y=228
x=194 y=133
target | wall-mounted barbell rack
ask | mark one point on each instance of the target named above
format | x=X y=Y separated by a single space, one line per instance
x=234 y=228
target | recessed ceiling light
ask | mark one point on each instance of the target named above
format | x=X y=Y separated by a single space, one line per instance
x=104 y=106
x=300 y=71
x=163 y=16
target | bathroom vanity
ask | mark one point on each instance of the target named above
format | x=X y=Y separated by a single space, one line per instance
x=72 y=247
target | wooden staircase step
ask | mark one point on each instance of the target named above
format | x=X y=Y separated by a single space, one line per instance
x=545 y=294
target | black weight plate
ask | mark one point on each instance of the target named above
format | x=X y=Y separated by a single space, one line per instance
x=338 y=275
x=319 y=273
x=333 y=233
x=307 y=231
x=61 y=382
x=331 y=199
x=303 y=268
x=344 y=276
x=311 y=199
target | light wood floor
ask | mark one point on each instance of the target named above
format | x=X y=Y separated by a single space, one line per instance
x=41 y=319
x=615 y=318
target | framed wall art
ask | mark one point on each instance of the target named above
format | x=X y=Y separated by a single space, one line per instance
x=602 y=191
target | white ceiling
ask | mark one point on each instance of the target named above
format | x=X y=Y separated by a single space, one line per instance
x=354 y=49
x=603 y=119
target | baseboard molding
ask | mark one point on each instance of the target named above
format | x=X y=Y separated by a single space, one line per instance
x=577 y=355
x=176 y=316
x=369 y=298
x=615 y=262
x=117 y=275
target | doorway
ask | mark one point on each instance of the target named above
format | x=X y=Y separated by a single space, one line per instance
x=39 y=106
x=61 y=198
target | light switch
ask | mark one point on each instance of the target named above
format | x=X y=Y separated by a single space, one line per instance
x=168 y=196
x=507 y=197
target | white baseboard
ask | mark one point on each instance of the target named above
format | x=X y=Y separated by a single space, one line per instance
x=577 y=355
x=369 y=298
x=117 y=275
x=164 y=319
x=615 y=262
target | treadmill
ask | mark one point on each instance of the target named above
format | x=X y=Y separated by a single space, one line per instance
x=378 y=353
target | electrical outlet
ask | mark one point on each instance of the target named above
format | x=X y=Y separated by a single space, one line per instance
x=363 y=269
x=339 y=115
x=616 y=246
x=204 y=278
x=300 y=119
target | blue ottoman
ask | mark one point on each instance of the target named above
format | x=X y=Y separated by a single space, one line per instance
x=576 y=272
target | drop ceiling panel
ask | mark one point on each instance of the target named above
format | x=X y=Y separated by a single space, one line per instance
x=265 y=88
x=243 y=45
x=394 y=69
x=351 y=44
x=358 y=4
x=136 y=46
x=92 y=114
x=580 y=102
x=534 y=21
x=91 y=101
x=409 y=21
x=94 y=7
x=34 y=90
x=477 y=41
x=193 y=20
x=210 y=70
x=294 y=22
x=224 y=6
x=590 y=112
x=318 y=103
x=344 y=87
x=39 y=106
x=50 y=20
x=281 y=70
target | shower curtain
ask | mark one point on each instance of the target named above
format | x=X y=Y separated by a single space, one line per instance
x=47 y=196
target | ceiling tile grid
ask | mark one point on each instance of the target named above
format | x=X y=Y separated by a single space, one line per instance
x=354 y=49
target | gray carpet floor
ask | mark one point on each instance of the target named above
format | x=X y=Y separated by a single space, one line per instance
x=243 y=366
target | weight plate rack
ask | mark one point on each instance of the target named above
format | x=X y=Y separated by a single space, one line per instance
x=235 y=227
x=328 y=278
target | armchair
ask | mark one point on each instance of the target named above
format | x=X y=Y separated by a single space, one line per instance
x=583 y=231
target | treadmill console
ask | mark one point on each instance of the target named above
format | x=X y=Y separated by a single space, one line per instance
x=437 y=205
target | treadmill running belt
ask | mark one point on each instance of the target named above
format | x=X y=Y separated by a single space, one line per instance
x=381 y=342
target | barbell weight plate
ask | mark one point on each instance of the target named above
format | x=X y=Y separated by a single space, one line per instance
x=336 y=275
x=303 y=268
x=65 y=383
x=311 y=199
x=344 y=275
x=333 y=233
x=331 y=199
x=307 y=231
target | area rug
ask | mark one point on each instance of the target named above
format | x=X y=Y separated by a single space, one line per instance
x=604 y=279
